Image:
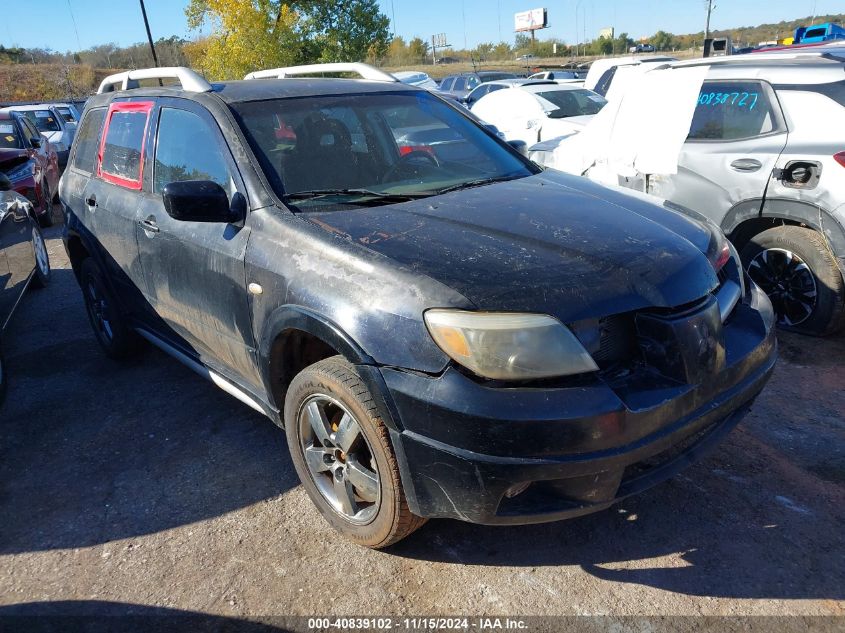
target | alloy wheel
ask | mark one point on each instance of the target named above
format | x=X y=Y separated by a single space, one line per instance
x=98 y=308
x=788 y=281
x=41 y=258
x=339 y=458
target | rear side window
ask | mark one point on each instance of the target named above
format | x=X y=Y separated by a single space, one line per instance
x=835 y=90
x=730 y=111
x=188 y=149
x=122 y=148
x=446 y=84
x=460 y=82
x=88 y=140
x=603 y=84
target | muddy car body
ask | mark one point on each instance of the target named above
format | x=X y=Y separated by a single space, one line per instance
x=457 y=336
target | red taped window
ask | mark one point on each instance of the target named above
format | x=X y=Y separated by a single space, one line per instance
x=121 y=155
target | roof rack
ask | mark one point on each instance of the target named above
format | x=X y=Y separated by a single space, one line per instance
x=191 y=81
x=364 y=70
x=779 y=55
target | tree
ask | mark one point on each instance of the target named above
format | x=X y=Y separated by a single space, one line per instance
x=248 y=35
x=418 y=50
x=251 y=34
x=663 y=41
x=347 y=30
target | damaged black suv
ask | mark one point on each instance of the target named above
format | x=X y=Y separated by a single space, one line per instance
x=443 y=329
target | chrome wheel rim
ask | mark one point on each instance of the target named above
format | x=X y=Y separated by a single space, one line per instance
x=339 y=458
x=98 y=308
x=788 y=281
x=41 y=259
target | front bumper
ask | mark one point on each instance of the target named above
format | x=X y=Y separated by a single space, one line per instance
x=579 y=448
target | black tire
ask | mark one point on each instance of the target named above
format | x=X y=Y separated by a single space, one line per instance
x=4 y=381
x=389 y=520
x=46 y=218
x=806 y=301
x=41 y=279
x=117 y=339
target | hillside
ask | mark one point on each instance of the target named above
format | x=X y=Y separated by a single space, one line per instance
x=768 y=32
x=37 y=82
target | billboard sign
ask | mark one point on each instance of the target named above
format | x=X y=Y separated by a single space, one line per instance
x=530 y=20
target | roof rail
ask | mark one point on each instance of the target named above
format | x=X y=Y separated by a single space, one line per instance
x=191 y=81
x=364 y=70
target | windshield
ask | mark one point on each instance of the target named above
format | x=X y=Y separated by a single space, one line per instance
x=371 y=148
x=9 y=136
x=496 y=76
x=43 y=120
x=567 y=103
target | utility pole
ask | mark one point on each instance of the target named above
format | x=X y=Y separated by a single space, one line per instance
x=707 y=24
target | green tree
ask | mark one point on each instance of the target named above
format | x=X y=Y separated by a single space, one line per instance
x=247 y=35
x=663 y=41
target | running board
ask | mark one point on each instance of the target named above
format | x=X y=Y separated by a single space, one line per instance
x=204 y=371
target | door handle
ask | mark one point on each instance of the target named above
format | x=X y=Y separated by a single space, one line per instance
x=149 y=225
x=91 y=200
x=746 y=164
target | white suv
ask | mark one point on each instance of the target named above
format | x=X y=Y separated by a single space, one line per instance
x=764 y=160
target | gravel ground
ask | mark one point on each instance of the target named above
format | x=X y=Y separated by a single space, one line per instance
x=142 y=484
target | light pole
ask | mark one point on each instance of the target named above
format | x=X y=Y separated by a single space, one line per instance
x=577 y=6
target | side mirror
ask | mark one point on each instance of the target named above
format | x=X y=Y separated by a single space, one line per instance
x=198 y=201
x=519 y=146
x=5 y=183
x=35 y=142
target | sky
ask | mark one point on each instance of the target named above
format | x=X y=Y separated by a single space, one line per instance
x=80 y=24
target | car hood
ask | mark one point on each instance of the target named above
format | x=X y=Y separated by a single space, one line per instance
x=549 y=243
x=10 y=158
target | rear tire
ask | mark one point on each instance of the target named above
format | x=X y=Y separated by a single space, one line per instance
x=46 y=218
x=355 y=482
x=795 y=267
x=114 y=334
x=42 y=259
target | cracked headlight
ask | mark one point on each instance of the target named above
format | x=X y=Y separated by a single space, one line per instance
x=508 y=346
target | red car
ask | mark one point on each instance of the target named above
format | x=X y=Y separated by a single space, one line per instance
x=30 y=162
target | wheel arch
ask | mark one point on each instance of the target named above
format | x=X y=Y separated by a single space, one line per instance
x=76 y=251
x=748 y=218
x=295 y=337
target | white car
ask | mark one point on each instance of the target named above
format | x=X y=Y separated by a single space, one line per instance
x=560 y=76
x=416 y=78
x=754 y=143
x=52 y=126
x=538 y=111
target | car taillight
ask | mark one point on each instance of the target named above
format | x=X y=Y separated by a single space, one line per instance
x=722 y=257
x=840 y=158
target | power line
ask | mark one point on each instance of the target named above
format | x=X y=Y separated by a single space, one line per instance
x=75 y=30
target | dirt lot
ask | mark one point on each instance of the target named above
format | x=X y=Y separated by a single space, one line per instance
x=142 y=484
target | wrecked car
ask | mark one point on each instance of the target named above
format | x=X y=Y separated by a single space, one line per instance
x=24 y=261
x=759 y=152
x=442 y=330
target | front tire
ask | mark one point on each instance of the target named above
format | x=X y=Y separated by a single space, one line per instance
x=342 y=453
x=114 y=334
x=795 y=267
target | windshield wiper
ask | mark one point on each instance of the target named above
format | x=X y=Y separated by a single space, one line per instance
x=477 y=183
x=381 y=196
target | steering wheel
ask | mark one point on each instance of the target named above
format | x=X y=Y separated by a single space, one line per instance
x=409 y=161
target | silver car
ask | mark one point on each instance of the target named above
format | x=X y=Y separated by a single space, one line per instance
x=765 y=160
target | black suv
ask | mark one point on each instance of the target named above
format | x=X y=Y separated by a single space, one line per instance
x=443 y=329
